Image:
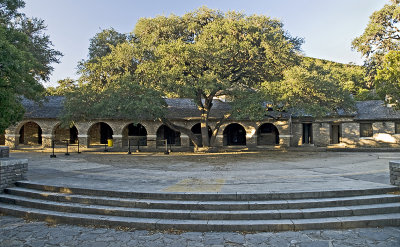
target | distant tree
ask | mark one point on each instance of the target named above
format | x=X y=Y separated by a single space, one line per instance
x=110 y=58
x=381 y=35
x=26 y=55
x=64 y=86
x=314 y=88
x=100 y=45
x=388 y=78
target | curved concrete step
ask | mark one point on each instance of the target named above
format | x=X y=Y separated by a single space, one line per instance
x=205 y=205
x=202 y=225
x=209 y=196
x=203 y=214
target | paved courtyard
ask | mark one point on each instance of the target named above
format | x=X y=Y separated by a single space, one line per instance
x=233 y=172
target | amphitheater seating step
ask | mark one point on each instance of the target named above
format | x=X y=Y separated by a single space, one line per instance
x=204 y=211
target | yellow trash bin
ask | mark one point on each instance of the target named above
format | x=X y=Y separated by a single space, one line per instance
x=110 y=142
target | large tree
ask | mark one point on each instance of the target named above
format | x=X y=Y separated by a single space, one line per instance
x=26 y=55
x=381 y=35
x=205 y=54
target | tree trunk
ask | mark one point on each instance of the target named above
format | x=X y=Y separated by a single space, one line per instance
x=204 y=128
x=188 y=132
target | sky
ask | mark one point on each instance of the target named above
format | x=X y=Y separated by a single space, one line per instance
x=327 y=26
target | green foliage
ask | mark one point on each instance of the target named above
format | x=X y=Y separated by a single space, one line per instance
x=314 y=87
x=388 y=78
x=100 y=45
x=117 y=63
x=64 y=86
x=125 y=98
x=25 y=58
x=380 y=36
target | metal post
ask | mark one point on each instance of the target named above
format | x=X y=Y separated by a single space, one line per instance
x=78 y=147
x=166 y=147
x=67 y=147
x=52 y=145
x=129 y=146
x=105 y=147
x=138 y=144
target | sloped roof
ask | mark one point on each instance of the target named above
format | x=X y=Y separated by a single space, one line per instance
x=375 y=110
x=179 y=108
x=51 y=107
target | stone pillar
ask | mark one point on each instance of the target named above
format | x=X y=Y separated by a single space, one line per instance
x=117 y=142
x=284 y=140
x=11 y=140
x=83 y=140
x=46 y=140
x=151 y=142
x=185 y=141
x=394 y=169
x=219 y=141
x=11 y=170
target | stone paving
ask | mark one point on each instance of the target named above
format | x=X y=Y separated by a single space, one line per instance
x=196 y=173
x=17 y=232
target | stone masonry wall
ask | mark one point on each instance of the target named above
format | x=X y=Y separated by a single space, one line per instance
x=394 y=168
x=11 y=170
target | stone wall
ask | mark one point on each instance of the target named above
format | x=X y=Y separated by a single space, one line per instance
x=394 y=168
x=11 y=170
x=4 y=152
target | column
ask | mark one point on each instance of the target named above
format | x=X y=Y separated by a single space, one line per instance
x=117 y=142
x=83 y=140
x=11 y=140
x=46 y=140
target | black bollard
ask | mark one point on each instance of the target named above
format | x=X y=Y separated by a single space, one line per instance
x=52 y=145
x=78 y=147
x=129 y=146
x=67 y=153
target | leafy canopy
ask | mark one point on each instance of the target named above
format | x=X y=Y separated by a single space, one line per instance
x=26 y=55
x=381 y=35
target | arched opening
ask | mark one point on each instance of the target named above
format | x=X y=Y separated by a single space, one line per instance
x=99 y=133
x=61 y=134
x=234 y=135
x=136 y=133
x=165 y=133
x=196 y=129
x=30 y=134
x=267 y=134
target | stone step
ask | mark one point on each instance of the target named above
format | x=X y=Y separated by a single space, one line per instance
x=209 y=196
x=205 y=205
x=202 y=225
x=203 y=214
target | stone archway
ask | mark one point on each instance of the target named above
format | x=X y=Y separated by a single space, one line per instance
x=234 y=135
x=99 y=133
x=137 y=133
x=165 y=133
x=61 y=134
x=30 y=133
x=267 y=134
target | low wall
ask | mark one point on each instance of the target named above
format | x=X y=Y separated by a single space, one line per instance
x=394 y=167
x=11 y=170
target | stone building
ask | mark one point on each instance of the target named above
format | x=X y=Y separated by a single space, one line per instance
x=373 y=124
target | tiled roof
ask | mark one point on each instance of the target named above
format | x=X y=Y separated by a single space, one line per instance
x=49 y=108
x=375 y=110
x=179 y=108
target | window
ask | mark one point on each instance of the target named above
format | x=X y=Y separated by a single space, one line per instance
x=366 y=130
x=397 y=128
